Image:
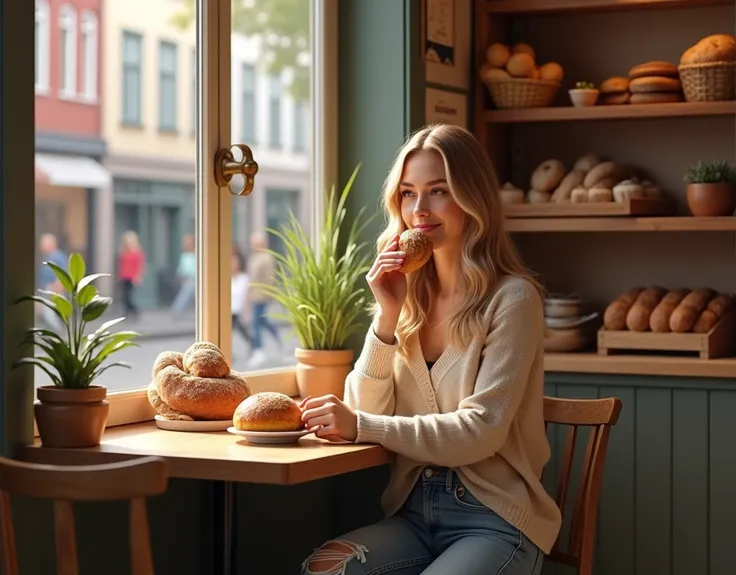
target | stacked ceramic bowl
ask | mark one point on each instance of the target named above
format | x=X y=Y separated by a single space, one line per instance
x=568 y=327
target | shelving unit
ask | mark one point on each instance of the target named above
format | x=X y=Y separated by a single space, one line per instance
x=627 y=112
x=594 y=256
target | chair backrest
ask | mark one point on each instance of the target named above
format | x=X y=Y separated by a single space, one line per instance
x=599 y=415
x=135 y=480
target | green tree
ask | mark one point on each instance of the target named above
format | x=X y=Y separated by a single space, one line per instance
x=282 y=27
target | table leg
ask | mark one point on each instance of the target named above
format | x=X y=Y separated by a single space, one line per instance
x=225 y=528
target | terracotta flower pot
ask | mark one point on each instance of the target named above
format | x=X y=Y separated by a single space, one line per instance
x=321 y=372
x=71 y=417
x=711 y=200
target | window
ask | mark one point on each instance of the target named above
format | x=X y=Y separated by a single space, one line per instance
x=153 y=200
x=42 y=46
x=132 y=47
x=167 y=86
x=68 y=51
x=89 y=55
x=248 y=110
x=274 y=111
x=300 y=126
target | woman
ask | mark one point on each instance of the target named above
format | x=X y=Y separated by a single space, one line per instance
x=131 y=264
x=450 y=379
x=238 y=293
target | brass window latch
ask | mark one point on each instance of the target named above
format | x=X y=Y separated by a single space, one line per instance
x=227 y=166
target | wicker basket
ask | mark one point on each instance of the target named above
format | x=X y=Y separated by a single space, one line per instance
x=521 y=92
x=708 y=82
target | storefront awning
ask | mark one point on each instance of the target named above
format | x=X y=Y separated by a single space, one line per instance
x=71 y=171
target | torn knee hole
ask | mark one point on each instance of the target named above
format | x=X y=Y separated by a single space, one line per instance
x=332 y=558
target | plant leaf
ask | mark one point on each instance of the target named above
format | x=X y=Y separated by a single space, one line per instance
x=37 y=361
x=86 y=294
x=95 y=308
x=90 y=278
x=76 y=268
x=63 y=277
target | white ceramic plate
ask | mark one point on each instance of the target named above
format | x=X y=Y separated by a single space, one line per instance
x=178 y=425
x=271 y=436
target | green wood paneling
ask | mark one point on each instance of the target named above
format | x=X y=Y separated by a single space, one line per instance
x=667 y=502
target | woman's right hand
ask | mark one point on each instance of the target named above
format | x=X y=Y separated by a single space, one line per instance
x=387 y=283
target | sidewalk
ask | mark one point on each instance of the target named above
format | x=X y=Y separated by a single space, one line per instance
x=158 y=323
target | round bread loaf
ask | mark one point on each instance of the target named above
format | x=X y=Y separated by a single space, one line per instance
x=204 y=359
x=654 y=68
x=268 y=411
x=418 y=249
x=649 y=84
x=714 y=48
x=614 y=85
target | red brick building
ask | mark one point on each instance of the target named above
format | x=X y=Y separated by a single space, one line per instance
x=71 y=184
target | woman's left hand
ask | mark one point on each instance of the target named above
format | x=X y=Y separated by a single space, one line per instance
x=334 y=420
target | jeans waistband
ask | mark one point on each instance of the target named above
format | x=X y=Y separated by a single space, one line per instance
x=436 y=475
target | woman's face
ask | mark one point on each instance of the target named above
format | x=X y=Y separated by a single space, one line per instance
x=426 y=201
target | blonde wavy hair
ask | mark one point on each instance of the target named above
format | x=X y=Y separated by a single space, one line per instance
x=488 y=253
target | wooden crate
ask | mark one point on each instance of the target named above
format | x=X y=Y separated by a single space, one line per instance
x=631 y=207
x=718 y=342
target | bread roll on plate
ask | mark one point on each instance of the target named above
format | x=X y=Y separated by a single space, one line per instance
x=268 y=411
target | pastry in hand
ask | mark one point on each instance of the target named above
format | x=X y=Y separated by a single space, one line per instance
x=417 y=247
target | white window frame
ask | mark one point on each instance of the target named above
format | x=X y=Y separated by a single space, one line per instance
x=42 y=43
x=90 y=51
x=213 y=232
x=68 y=25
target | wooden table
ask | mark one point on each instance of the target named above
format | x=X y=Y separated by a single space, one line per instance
x=224 y=458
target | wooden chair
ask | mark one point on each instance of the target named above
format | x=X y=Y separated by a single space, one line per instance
x=135 y=480
x=600 y=415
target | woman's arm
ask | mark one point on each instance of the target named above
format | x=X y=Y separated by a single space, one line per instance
x=369 y=387
x=479 y=427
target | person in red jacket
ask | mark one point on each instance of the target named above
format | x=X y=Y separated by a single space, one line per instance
x=131 y=265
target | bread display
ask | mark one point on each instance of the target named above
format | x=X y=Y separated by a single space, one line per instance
x=418 y=249
x=659 y=310
x=708 y=69
x=653 y=82
x=196 y=385
x=590 y=180
x=268 y=411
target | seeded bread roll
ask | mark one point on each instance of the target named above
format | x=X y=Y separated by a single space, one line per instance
x=686 y=313
x=660 y=319
x=268 y=411
x=714 y=48
x=638 y=317
x=614 y=318
x=418 y=249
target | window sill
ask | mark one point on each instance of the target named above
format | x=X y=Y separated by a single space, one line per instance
x=168 y=131
x=130 y=126
x=128 y=407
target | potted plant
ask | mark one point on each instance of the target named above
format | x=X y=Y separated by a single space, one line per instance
x=710 y=188
x=584 y=94
x=73 y=411
x=318 y=287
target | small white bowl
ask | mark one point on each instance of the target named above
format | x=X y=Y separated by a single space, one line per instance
x=580 y=98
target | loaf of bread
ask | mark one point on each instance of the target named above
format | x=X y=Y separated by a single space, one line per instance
x=686 y=313
x=714 y=48
x=177 y=391
x=614 y=318
x=638 y=317
x=268 y=411
x=714 y=311
x=659 y=321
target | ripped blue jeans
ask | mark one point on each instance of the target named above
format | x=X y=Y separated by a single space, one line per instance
x=441 y=530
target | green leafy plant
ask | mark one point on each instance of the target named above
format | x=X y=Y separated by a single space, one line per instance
x=710 y=172
x=319 y=288
x=584 y=86
x=72 y=359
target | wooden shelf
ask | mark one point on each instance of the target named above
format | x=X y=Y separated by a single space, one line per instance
x=556 y=6
x=639 y=365
x=623 y=112
x=622 y=224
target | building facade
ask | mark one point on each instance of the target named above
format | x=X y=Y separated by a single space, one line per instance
x=71 y=185
x=149 y=122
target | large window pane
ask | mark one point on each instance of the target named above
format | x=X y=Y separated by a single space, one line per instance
x=113 y=187
x=274 y=80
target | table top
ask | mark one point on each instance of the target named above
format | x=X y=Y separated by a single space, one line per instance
x=219 y=455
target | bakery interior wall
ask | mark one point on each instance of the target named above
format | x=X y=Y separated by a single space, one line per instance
x=593 y=47
x=278 y=526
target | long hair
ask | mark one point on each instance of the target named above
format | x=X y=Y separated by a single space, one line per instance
x=488 y=254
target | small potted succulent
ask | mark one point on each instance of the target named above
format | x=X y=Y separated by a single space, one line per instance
x=584 y=94
x=72 y=412
x=710 y=188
